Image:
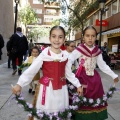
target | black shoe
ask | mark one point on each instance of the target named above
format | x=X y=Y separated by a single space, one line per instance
x=30 y=90
x=19 y=72
x=14 y=71
x=33 y=92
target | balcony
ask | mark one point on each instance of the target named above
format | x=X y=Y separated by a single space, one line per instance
x=52 y=14
x=52 y=5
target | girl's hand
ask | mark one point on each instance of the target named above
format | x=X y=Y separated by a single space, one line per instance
x=80 y=90
x=116 y=80
x=16 y=89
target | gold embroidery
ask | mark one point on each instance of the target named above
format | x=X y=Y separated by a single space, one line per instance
x=56 y=60
x=91 y=111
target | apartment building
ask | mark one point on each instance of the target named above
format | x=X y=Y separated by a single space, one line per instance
x=6 y=23
x=110 y=32
x=46 y=13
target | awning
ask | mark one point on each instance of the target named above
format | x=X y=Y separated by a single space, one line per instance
x=111 y=31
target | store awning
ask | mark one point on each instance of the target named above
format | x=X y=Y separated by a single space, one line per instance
x=111 y=31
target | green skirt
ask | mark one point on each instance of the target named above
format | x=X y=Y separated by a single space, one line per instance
x=91 y=116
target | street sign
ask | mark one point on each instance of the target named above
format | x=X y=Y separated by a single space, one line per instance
x=104 y=22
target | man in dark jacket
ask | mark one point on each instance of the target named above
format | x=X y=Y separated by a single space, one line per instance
x=18 y=47
x=1 y=45
x=8 y=53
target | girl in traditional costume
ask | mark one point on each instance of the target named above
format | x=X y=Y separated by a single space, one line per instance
x=89 y=54
x=53 y=92
x=70 y=46
x=34 y=54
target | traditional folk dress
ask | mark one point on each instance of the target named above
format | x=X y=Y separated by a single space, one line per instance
x=75 y=64
x=53 y=92
x=36 y=78
x=91 y=81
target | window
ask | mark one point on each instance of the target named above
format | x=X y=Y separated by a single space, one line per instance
x=37 y=2
x=39 y=21
x=119 y=6
x=114 y=8
x=104 y=15
x=50 y=11
x=91 y=20
x=95 y=17
x=109 y=13
x=38 y=11
x=52 y=0
x=48 y=19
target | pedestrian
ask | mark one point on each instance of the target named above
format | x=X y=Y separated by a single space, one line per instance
x=30 y=46
x=9 y=53
x=104 y=50
x=89 y=54
x=34 y=54
x=70 y=46
x=1 y=45
x=18 y=48
x=53 y=61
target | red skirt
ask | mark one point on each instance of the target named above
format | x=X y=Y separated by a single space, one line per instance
x=93 y=90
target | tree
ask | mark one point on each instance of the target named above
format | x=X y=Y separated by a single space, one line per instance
x=27 y=15
x=38 y=32
x=79 y=10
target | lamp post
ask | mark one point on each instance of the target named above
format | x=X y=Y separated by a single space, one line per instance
x=16 y=12
x=102 y=7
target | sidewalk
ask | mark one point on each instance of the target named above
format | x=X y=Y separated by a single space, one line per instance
x=13 y=112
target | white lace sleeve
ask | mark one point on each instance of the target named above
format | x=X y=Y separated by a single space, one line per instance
x=69 y=74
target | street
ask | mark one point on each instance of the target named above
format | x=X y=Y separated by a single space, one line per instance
x=9 y=110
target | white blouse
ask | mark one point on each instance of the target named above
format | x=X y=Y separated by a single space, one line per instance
x=100 y=62
x=28 y=75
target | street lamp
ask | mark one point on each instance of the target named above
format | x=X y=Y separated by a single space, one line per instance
x=102 y=7
x=16 y=11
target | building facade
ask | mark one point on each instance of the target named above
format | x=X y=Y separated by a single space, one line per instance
x=6 y=23
x=46 y=13
x=110 y=32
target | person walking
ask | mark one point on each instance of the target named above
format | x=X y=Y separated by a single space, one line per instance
x=105 y=50
x=8 y=53
x=18 y=48
x=1 y=45
x=34 y=54
x=70 y=46
x=30 y=46
x=90 y=55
